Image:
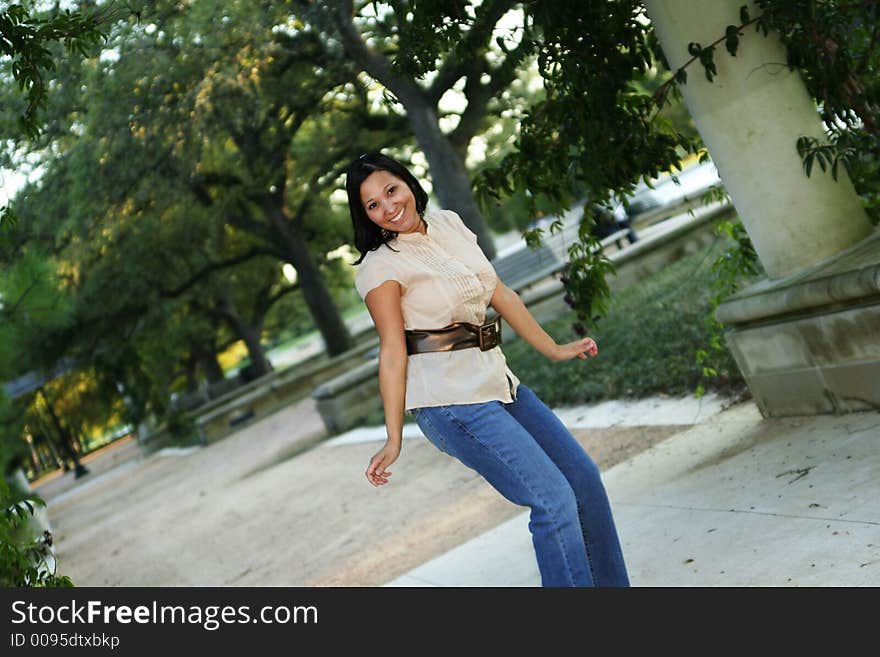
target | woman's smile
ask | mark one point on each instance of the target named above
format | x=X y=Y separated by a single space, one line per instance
x=398 y=217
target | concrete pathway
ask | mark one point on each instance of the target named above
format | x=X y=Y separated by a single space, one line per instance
x=729 y=499
x=736 y=500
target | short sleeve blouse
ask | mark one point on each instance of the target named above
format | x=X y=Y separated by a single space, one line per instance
x=444 y=278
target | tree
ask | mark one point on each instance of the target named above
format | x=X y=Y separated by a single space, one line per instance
x=242 y=298
x=32 y=305
x=383 y=38
x=181 y=169
x=237 y=127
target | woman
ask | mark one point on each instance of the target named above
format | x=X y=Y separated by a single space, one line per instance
x=427 y=285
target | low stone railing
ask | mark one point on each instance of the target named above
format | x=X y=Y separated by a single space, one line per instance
x=274 y=391
x=263 y=396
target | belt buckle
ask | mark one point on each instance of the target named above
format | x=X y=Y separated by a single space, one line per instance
x=490 y=336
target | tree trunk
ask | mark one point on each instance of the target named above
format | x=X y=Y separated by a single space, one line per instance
x=192 y=381
x=65 y=439
x=46 y=454
x=317 y=297
x=249 y=334
x=259 y=363
x=211 y=367
x=206 y=356
x=449 y=175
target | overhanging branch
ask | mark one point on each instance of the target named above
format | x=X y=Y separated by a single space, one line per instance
x=461 y=60
x=376 y=65
x=215 y=266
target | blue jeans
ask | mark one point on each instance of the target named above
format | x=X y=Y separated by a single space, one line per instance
x=528 y=455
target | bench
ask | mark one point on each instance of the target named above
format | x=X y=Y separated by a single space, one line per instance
x=346 y=400
x=526 y=266
x=274 y=391
x=523 y=268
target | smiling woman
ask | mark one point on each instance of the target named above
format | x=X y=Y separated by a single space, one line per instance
x=427 y=286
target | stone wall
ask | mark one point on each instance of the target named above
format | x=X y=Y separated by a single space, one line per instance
x=810 y=343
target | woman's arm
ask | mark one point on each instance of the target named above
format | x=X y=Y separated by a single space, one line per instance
x=383 y=302
x=511 y=307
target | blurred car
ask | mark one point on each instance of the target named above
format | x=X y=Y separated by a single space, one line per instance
x=693 y=182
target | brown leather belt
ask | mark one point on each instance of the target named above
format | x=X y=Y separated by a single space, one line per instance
x=460 y=335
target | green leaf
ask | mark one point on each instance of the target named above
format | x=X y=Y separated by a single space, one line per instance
x=744 y=14
x=707 y=59
x=731 y=39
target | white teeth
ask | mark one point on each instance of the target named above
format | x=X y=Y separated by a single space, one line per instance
x=397 y=217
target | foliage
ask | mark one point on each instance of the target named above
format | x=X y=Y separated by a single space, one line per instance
x=32 y=302
x=26 y=36
x=13 y=450
x=737 y=263
x=585 y=277
x=24 y=561
x=594 y=127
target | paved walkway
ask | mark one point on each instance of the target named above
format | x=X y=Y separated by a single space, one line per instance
x=730 y=499
x=736 y=500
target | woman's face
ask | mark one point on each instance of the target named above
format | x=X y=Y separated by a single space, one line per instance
x=389 y=203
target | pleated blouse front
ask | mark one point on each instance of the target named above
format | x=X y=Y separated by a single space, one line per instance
x=445 y=278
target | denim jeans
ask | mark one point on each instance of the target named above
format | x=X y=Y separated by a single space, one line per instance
x=527 y=454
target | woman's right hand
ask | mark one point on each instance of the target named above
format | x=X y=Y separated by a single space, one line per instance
x=376 y=472
x=577 y=349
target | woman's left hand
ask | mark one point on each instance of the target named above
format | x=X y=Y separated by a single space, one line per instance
x=577 y=349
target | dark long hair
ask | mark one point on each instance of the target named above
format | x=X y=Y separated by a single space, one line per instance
x=367 y=235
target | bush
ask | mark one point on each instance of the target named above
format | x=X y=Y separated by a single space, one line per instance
x=25 y=560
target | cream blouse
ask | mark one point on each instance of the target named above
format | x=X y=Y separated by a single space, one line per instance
x=444 y=278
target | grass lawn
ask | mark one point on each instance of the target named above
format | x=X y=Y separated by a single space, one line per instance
x=647 y=342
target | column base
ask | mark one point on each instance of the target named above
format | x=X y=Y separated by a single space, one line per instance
x=809 y=343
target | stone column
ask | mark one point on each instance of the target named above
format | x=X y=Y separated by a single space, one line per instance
x=806 y=339
x=750 y=118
